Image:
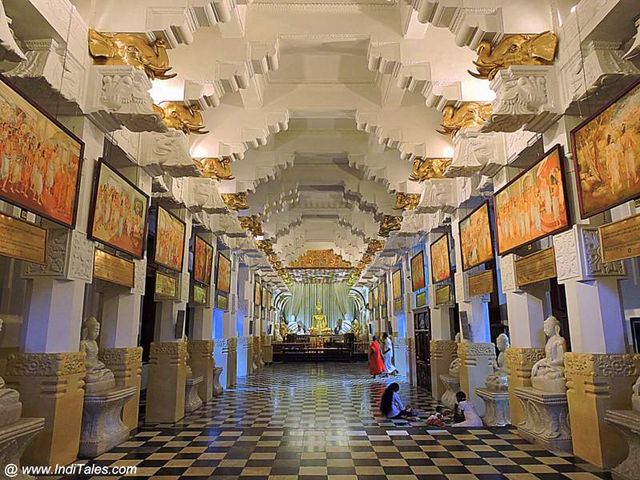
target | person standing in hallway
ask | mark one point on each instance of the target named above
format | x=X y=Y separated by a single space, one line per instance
x=376 y=366
x=387 y=353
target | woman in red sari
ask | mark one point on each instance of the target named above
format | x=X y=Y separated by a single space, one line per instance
x=376 y=365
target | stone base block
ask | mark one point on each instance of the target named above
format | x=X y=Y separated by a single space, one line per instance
x=628 y=422
x=442 y=354
x=217 y=388
x=192 y=400
x=14 y=438
x=546 y=419
x=452 y=385
x=497 y=412
x=167 y=380
x=102 y=425
x=202 y=364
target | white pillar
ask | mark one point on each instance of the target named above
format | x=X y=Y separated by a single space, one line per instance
x=120 y=318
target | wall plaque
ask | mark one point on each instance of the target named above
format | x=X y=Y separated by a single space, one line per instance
x=481 y=284
x=113 y=269
x=22 y=240
x=166 y=286
x=443 y=295
x=620 y=240
x=421 y=299
x=536 y=267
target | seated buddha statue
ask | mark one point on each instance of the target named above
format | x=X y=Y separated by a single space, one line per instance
x=319 y=325
x=498 y=380
x=10 y=405
x=635 y=399
x=98 y=377
x=548 y=374
x=456 y=363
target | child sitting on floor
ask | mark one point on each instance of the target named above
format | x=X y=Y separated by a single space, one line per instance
x=466 y=408
x=437 y=419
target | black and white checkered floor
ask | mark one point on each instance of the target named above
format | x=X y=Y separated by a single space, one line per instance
x=317 y=421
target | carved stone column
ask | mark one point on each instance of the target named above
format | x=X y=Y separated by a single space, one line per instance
x=167 y=379
x=520 y=361
x=442 y=354
x=232 y=361
x=597 y=383
x=50 y=386
x=267 y=350
x=476 y=363
x=126 y=365
x=202 y=365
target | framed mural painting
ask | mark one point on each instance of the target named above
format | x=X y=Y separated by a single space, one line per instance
x=256 y=292
x=202 y=260
x=607 y=155
x=476 y=239
x=383 y=291
x=440 y=260
x=533 y=205
x=396 y=284
x=119 y=213
x=223 y=274
x=170 y=237
x=417 y=271
x=376 y=296
x=40 y=159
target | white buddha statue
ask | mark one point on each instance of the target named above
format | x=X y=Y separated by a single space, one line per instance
x=548 y=374
x=10 y=405
x=454 y=366
x=498 y=380
x=635 y=399
x=98 y=378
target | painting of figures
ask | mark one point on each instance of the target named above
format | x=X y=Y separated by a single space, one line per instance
x=39 y=160
x=417 y=271
x=376 y=296
x=607 y=155
x=396 y=283
x=256 y=293
x=119 y=217
x=202 y=260
x=170 y=233
x=533 y=205
x=475 y=238
x=223 y=274
x=440 y=261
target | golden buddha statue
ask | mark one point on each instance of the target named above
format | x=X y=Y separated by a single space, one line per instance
x=319 y=324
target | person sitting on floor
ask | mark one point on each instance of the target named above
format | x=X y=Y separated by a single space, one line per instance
x=437 y=419
x=466 y=408
x=390 y=404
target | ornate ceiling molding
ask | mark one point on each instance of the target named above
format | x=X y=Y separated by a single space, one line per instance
x=323 y=259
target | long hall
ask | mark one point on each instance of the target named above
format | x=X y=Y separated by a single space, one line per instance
x=318 y=238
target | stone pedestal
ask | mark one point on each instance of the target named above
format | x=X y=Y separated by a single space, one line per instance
x=192 y=400
x=452 y=386
x=496 y=407
x=167 y=380
x=232 y=361
x=217 y=388
x=102 y=425
x=126 y=365
x=628 y=423
x=546 y=418
x=50 y=386
x=202 y=365
x=597 y=383
x=476 y=364
x=267 y=351
x=14 y=438
x=520 y=361
x=442 y=354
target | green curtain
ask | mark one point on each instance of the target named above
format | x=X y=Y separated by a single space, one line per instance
x=334 y=298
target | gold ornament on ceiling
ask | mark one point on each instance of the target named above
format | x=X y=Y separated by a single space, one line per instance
x=374 y=246
x=515 y=49
x=407 y=201
x=214 y=168
x=132 y=49
x=320 y=259
x=390 y=224
x=252 y=224
x=467 y=115
x=236 y=201
x=428 y=168
x=182 y=117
